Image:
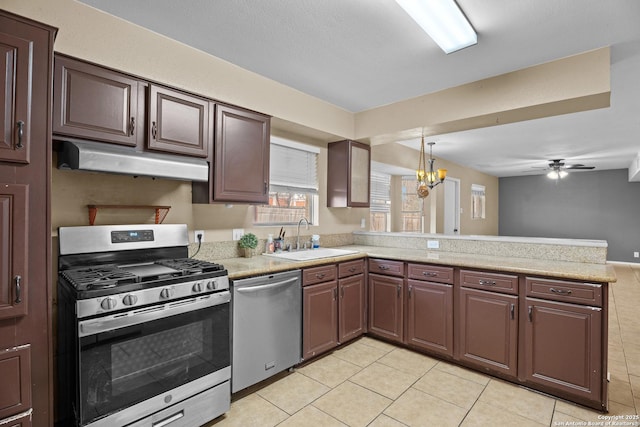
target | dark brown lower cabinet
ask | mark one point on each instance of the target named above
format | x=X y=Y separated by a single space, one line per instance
x=563 y=347
x=488 y=330
x=386 y=306
x=320 y=318
x=430 y=316
x=351 y=308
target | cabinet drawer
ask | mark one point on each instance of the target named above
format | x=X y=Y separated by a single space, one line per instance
x=314 y=275
x=389 y=268
x=489 y=281
x=15 y=371
x=559 y=290
x=432 y=273
x=351 y=268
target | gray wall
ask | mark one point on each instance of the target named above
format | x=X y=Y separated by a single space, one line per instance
x=600 y=205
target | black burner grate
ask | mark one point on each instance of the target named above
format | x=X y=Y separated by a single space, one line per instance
x=190 y=266
x=98 y=277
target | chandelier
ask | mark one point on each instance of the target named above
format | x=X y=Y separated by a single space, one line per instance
x=427 y=179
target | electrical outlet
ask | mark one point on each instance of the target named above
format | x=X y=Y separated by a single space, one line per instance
x=433 y=244
x=363 y=223
x=196 y=233
x=238 y=233
x=636 y=254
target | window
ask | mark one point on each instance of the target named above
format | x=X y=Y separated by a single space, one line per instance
x=380 y=203
x=293 y=189
x=411 y=205
x=477 y=201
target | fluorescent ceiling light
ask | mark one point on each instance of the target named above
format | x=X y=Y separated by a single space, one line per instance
x=443 y=21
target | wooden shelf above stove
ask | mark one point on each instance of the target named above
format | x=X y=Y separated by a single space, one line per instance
x=161 y=211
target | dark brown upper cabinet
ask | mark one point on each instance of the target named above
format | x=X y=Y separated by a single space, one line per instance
x=92 y=102
x=13 y=250
x=15 y=98
x=241 y=156
x=348 y=174
x=179 y=123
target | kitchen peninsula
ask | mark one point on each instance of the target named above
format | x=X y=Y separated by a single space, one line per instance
x=529 y=310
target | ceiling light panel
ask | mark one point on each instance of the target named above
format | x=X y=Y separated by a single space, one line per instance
x=443 y=21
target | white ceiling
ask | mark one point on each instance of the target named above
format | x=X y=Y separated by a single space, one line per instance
x=360 y=54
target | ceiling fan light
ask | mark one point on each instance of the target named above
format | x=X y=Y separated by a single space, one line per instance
x=562 y=174
x=443 y=21
x=553 y=175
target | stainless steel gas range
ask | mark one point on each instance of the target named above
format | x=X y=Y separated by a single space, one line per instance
x=143 y=330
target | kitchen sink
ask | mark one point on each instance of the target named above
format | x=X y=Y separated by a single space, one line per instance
x=310 y=254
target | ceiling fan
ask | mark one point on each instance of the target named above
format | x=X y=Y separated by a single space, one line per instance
x=558 y=169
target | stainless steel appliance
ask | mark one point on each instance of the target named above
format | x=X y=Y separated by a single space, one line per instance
x=267 y=327
x=143 y=330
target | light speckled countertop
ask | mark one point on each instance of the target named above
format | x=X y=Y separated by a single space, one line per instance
x=259 y=264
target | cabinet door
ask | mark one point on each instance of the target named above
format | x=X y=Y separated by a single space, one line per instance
x=95 y=103
x=320 y=318
x=15 y=371
x=488 y=330
x=241 y=156
x=13 y=250
x=430 y=316
x=15 y=98
x=351 y=308
x=563 y=347
x=385 y=306
x=348 y=172
x=178 y=122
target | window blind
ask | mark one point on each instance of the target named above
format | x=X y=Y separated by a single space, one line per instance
x=293 y=169
x=380 y=192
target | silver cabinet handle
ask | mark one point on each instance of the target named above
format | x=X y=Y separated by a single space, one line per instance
x=487 y=282
x=154 y=130
x=429 y=273
x=20 y=126
x=18 y=280
x=399 y=288
x=560 y=291
x=383 y=267
x=132 y=126
x=513 y=311
x=410 y=287
x=530 y=313
x=335 y=293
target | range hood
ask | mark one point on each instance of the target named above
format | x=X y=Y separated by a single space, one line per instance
x=101 y=157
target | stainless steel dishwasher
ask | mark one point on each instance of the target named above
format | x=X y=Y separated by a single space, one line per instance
x=267 y=327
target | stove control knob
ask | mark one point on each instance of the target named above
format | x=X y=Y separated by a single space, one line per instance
x=212 y=285
x=129 y=299
x=108 y=303
x=197 y=287
x=166 y=293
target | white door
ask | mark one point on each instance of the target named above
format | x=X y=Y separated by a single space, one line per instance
x=451 y=206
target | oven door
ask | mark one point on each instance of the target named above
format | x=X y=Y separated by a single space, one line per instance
x=135 y=363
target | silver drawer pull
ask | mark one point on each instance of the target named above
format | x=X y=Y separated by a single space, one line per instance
x=487 y=282
x=320 y=275
x=383 y=267
x=169 y=420
x=429 y=273
x=560 y=291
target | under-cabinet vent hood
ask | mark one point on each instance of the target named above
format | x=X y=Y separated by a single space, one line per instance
x=97 y=157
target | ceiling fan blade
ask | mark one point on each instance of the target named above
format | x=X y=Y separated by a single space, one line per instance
x=579 y=167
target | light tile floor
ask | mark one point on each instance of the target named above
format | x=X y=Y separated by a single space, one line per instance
x=373 y=383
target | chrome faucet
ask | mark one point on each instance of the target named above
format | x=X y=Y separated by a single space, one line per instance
x=298 y=235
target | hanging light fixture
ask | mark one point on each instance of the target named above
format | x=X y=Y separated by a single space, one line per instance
x=427 y=179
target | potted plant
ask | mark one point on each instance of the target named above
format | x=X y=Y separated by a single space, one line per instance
x=248 y=243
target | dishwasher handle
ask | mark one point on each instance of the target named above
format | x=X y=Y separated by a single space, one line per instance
x=250 y=289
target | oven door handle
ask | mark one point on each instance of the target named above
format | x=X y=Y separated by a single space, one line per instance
x=259 y=288
x=148 y=314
